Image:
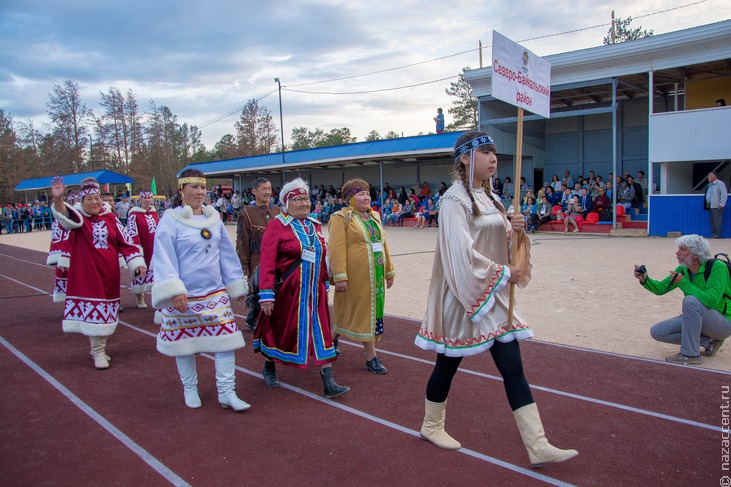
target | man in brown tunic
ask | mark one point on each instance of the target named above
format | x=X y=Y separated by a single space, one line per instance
x=252 y=221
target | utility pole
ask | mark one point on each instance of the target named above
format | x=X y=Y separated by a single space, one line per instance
x=281 y=125
x=613 y=35
x=91 y=152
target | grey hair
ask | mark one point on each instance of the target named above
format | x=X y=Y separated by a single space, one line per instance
x=698 y=245
x=294 y=184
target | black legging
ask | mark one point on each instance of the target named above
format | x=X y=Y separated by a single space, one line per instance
x=508 y=362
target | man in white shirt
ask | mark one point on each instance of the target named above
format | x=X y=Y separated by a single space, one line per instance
x=716 y=195
x=122 y=208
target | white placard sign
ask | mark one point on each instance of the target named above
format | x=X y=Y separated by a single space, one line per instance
x=519 y=77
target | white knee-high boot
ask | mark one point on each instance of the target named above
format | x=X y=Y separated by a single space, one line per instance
x=226 y=381
x=98 y=352
x=540 y=451
x=189 y=378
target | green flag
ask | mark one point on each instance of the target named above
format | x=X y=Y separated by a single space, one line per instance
x=153 y=187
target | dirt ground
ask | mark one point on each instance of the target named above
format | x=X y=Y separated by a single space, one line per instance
x=582 y=292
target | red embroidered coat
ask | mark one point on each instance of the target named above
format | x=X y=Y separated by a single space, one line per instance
x=92 y=294
x=141 y=227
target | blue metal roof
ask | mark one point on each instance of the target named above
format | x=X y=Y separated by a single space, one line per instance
x=355 y=152
x=103 y=177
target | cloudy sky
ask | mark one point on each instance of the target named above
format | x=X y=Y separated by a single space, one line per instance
x=364 y=65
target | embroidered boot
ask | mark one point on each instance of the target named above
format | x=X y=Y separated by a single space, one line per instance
x=331 y=388
x=433 y=427
x=141 y=301
x=189 y=378
x=540 y=451
x=98 y=345
x=226 y=381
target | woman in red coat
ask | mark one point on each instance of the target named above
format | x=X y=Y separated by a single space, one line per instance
x=141 y=226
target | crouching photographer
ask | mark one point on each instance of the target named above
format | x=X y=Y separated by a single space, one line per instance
x=705 y=320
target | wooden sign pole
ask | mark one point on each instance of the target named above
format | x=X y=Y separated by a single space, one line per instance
x=516 y=201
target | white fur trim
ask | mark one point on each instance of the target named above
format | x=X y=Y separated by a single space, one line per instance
x=140 y=289
x=157 y=319
x=185 y=216
x=63 y=262
x=52 y=259
x=164 y=292
x=137 y=209
x=67 y=222
x=237 y=289
x=89 y=329
x=59 y=297
x=134 y=264
x=122 y=262
x=211 y=344
x=294 y=184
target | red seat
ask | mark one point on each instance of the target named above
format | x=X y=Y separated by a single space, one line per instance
x=592 y=217
x=620 y=210
x=555 y=209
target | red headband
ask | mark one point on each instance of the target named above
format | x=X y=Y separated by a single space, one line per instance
x=294 y=192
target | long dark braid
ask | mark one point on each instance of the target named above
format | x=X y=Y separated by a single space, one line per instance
x=462 y=174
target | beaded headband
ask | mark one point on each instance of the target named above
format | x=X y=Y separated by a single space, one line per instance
x=87 y=188
x=144 y=194
x=354 y=192
x=473 y=144
x=294 y=192
x=191 y=180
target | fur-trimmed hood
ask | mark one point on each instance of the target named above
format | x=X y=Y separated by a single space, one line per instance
x=184 y=214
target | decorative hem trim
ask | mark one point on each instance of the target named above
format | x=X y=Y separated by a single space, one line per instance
x=522 y=333
x=487 y=301
x=212 y=344
x=89 y=329
x=340 y=277
x=266 y=295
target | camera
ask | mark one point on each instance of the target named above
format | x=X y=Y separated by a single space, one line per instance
x=641 y=269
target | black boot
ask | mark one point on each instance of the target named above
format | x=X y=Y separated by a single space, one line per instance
x=270 y=374
x=331 y=388
x=337 y=347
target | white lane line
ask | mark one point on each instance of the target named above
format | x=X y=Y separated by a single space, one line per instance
x=488 y=376
x=561 y=393
x=146 y=457
x=540 y=388
x=383 y=422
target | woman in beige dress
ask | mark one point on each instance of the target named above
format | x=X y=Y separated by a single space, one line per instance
x=467 y=310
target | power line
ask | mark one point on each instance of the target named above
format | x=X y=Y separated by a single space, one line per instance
x=236 y=110
x=370 y=91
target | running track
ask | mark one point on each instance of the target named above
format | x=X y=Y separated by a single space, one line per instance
x=634 y=421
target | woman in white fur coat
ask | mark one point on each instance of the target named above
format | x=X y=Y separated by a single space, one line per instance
x=197 y=272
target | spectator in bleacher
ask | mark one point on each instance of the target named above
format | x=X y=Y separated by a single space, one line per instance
x=425 y=191
x=574 y=215
x=625 y=196
x=528 y=210
x=554 y=198
x=637 y=188
x=602 y=204
x=586 y=202
x=555 y=183
x=386 y=213
x=442 y=188
x=402 y=196
x=542 y=214
x=406 y=212
x=565 y=197
x=642 y=181
x=432 y=213
x=421 y=213
x=395 y=210
x=497 y=187
x=567 y=179
x=610 y=189
x=508 y=188
x=576 y=191
x=599 y=182
x=523 y=184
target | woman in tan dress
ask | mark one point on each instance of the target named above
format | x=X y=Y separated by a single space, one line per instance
x=467 y=311
x=362 y=270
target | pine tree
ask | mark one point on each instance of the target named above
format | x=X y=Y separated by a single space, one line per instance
x=464 y=108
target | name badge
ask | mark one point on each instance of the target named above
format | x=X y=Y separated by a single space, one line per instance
x=377 y=246
x=308 y=255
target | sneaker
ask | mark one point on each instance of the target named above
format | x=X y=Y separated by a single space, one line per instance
x=684 y=359
x=375 y=366
x=712 y=347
